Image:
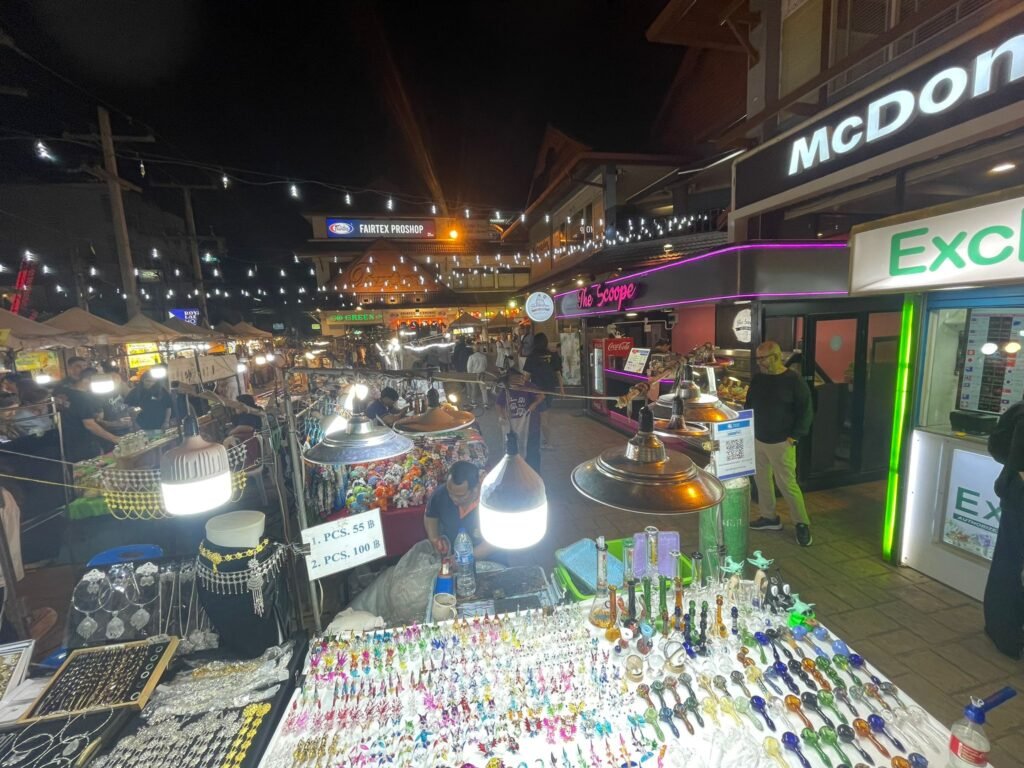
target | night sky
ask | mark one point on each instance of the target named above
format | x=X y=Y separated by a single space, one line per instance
x=303 y=93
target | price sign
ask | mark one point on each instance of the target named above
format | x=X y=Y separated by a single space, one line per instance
x=636 y=360
x=343 y=544
x=735 y=440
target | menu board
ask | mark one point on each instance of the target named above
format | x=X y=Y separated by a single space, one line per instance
x=993 y=370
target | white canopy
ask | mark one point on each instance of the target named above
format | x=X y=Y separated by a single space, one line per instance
x=96 y=330
x=28 y=334
x=156 y=332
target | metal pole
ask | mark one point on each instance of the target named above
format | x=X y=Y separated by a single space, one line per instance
x=14 y=609
x=124 y=251
x=193 y=244
x=298 y=482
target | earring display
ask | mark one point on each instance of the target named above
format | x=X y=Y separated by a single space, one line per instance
x=109 y=676
x=215 y=714
x=126 y=602
x=64 y=742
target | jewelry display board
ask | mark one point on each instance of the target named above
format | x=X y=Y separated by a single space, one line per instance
x=108 y=677
x=729 y=683
x=212 y=713
x=133 y=601
x=62 y=742
x=14 y=661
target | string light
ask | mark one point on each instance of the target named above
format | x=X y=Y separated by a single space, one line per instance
x=391 y=204
x=467 y=213
x=43 y=152
x=348 y=199
x=142 y=168
x=293 y=190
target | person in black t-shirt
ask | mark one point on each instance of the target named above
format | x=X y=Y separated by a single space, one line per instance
x=383 y=407
x=153 y=401
x=783 y=413
x=84 y=437
x=545 y=369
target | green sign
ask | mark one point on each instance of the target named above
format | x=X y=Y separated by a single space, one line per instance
x=977 y=246
x=357 y=317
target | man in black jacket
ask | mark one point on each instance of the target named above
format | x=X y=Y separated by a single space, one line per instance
x=782 y=416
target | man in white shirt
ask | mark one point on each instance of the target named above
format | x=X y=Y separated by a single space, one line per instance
x=477 y=365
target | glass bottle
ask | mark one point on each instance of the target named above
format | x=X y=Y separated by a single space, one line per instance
x=651 y=535
x=612 y=634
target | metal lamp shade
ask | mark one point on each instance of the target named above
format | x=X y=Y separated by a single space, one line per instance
x=195 y=477
x=643 y=477
x=513 y=502
x=708 y=409
x=359 y=442
x=434 y=422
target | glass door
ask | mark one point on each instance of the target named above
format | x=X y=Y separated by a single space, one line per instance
x=851 y=370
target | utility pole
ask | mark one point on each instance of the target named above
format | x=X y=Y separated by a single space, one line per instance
x=124 y=251
x=193 y=241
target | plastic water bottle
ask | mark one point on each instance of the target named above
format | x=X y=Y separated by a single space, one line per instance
x=465 y=565
x=968 y=744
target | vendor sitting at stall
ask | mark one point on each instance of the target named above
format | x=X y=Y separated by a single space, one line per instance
x=454 y=505
x=383 y=408
x=153 y=401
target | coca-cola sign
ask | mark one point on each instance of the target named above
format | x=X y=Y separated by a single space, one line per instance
x=617 y=347
x=601 y=295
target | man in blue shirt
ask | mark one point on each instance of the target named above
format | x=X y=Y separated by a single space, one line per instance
x=455 y=505
x=383 y=408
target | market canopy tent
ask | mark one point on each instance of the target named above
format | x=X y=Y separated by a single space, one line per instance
x=28 y=334
x=95 y=329
x=190 y=332
x=227 y=329
x=156 y=332
x=252 y=330
x=465 y=320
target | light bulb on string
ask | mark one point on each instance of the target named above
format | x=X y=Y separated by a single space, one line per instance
x=142 y=168
x=224 y=180
x=293 y=190
x=391 y=204
x=348 y=199
x=43 y=152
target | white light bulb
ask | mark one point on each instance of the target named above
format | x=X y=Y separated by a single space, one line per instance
x=224 y=180
x=293 y=191
x=361 y=391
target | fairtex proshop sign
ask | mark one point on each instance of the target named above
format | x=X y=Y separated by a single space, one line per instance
x=610 y=295
x=975 y=246
x=973 y=80
x=369 y=229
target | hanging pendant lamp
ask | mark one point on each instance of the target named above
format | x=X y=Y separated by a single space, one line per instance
x=439 y=418
x=102 y=384
x=195 y=476
x=360 y=441
x=676 y=426
x=643 y=477
x=513 y=502
x=698 y=408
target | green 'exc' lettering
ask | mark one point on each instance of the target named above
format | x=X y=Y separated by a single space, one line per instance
x=897 y=252
x=974 y=247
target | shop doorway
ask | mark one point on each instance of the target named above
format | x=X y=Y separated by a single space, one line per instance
x=850 y=366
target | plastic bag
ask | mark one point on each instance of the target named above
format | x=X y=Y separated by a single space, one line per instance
x=400 y=594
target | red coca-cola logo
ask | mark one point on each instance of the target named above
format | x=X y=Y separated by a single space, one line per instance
x=605 y=294
x=618 y=347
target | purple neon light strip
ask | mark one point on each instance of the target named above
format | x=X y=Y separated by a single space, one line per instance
x=711 y=299
x=635 y=375
x=719 y=252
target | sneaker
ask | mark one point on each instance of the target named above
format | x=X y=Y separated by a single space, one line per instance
x=766 y=524
x=803 y=535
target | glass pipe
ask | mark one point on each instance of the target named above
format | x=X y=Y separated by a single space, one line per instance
x=742 y=706
x=825 y=666
x=773 y=637
x=720 y=684
x=710 y=707
x=678 y=587
x=643 y=691
x=858 y=663
x=743 y=656
x=687 y=681
x=858 y=693
x=773 y=749
x=783 y=672
x=651 y=547
x=770 y=675
x=602 y=610
x=826 y=700
x=792 y=742
x=671 y=685
x=651 y=717
x=796 y=669
x=646 y=583
x=877 y=725
x=829 y=736
x=843 y=662
x=813 y=669
x=800 y=632
x=913 y=734
x=762 y=642
x=754 y=675
x=628 y=568
x=665 y=715
x=725 y=704
x=872 y=690
x=631 y=586
x=691 y=707
x=760 y=706
x=787 y=634
x=810 y=701
x=861 y=727
x=917 y=760
x=777 y=708
x=680 y=712
x=892 y=692
x=922 y=721
x=848 y=737
x=737 y=679
x=811 y=739
x=793 y=705
x=842 y=695
x=900 y=762
x=704 y=681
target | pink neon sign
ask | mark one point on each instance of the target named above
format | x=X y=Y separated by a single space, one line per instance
x=606 y=294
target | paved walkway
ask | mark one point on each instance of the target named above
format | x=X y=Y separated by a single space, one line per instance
x=925 y=637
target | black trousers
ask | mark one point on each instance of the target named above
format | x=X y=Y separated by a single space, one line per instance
x=1004 y=591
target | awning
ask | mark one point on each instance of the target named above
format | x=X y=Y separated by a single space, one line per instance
x=156 y=331
x=465 y=320
x=190 y=332
x=28 y=334
x=95 y=330
x=251 y=330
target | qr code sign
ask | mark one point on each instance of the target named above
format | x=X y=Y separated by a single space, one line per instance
x=734 y=449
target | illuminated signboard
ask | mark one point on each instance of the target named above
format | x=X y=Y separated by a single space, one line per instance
x=140 y=349
x=395 y=229
x=187 y=314
x=356 y=317
x=601 y=295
